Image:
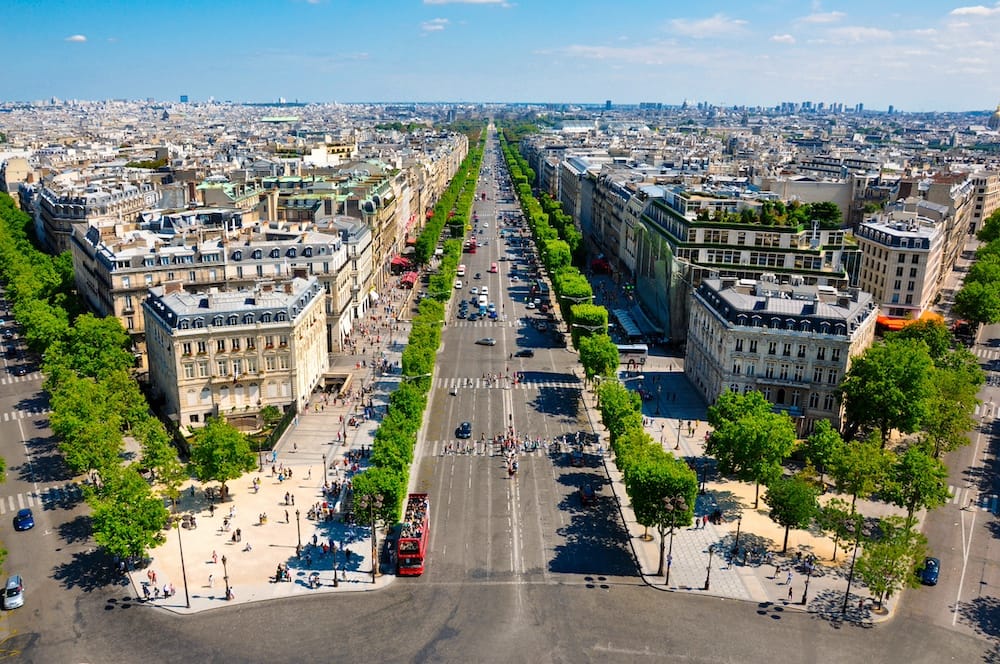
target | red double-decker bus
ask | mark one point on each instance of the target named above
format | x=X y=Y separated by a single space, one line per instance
x=414 y=535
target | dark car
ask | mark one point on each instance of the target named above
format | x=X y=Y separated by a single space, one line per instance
x=461 y=313
x=587 y=494
x=525 y=352
x=929 y=572
x=464 y=430
x=24 y=520
x=20 y=371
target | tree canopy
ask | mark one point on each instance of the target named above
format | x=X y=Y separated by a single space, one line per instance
x=793 y=503
x=219 y=452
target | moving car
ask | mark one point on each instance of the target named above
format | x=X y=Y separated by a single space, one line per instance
x=929 y=572
x=13 y=594
x=525 y=352
x=464 y=430
x=475 y=290
x=24 y=520
x=530 y=305
x=587 y=494
x=458 y=284
x=486 y=341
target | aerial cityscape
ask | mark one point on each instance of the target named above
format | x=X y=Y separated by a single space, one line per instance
x=479 y=330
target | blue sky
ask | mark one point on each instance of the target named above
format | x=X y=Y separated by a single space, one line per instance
x=915 y=54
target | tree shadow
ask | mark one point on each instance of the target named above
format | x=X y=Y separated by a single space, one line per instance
x=76 y=530
x=983 y=614
x=89 y=571
x=828 y=605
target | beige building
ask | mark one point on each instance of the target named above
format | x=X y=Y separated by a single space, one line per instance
x=792 y=342
x=229 y=353
x=987 y=198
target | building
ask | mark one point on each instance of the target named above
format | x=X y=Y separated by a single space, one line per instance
x=987 y=198
x=792 y=342
x=229 y=353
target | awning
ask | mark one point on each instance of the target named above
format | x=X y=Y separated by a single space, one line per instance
x=410 y=277
x=411 y=241
x=895 y=324
x=401 y=261
x=628 y=325
x=373 y=296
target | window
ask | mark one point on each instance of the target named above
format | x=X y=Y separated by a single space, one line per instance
x=901 y=258
x=739 y=345
x=831 y=377
x=233 y=320
x=189 y=370
x=222 y=368
x=234 y=343
x=802 y=351
x=265 y=318
x=814 y=400
x=275 y=253
x=828 y=402
x=913 y=273
x=769 y=371
x=916 y=259
x=220 y=345
x=217 y=321
x=897 y=284
x=149 y=279
x=899 y=271
x=910 y=285
x=821 y=353
x=835 y=354
x=237 y=368
x=186 y=348
x=753 y=345
x=203 y=369
x=191 y=276
x=798 y=373
x=818 y=375
x=257 y=253
x=772 y=348
x=283 y=340
x=736 y=368
x=283 y=362
x=270 y=363
x=787 y=350
x=130 y=322
x=751 y=369
x=202 y=347
x=784 y=372
x=251 y=343
x=248 y=319
x=126 y=282
x=269 y=341
x=251 y=363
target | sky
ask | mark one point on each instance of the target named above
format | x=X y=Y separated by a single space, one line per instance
x=917 y=55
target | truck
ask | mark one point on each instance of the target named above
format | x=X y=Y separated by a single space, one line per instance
x=414 y=535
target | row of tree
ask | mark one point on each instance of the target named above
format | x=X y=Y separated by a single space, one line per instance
x=396 y=437
x=560 y=243
x=978 y=301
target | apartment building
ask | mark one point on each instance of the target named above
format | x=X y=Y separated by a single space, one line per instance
x=793 y=342
x=987 y=198
x=229 y=353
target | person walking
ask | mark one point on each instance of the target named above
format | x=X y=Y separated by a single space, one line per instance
x=788 y=579
x=215 y=558
x=211 y=580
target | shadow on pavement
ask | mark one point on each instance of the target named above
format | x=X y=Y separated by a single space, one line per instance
x=76 y=530
x=89 y=571
x=828 y=605
x=594 y=541
x=983 y=613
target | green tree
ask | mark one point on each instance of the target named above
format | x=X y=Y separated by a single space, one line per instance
x=220 y=452
x=97 y=346
x=951 y=406
x=793 y=504
x=649 y=481
x=887 y=563
x=822 y=446
x=270 y=414
x=384 y=482
x=978 y=302
x=159 y=456
x=887 y=387
x=557 y=254
x=588 y=319
x=834 y=518
x=917 y=480
x=731 y=406
x=827 y=213
x=990 y=230
x=127 y=518
x=87 y=424
x=934 y=333
x=598 y=355
x=753 y=447
x=861 y=468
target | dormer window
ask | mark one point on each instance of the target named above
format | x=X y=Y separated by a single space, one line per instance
x=257 y=253
x=237 y=255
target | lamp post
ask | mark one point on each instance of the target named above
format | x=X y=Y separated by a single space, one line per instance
x=225 y=577
x=680 y=422
x=180 y=545
x=805 y=593
x=708 y=572
x=372 y=503
x=673 y=505
x=736 y=545
x=298 y=529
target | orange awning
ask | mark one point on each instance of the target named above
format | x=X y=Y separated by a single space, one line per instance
x=896 y=324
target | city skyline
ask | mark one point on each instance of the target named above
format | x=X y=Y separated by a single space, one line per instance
x=915 y=56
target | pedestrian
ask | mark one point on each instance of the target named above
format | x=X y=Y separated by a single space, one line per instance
x=293 y=499
x=152 y=576
x=211 y=580
x=145 y=591
x=789 y=593
x=286 y=517
x=215 y=558
x=788 y=579
x=704 y=521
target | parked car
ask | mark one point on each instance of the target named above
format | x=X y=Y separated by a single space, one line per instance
x=930 y=571
x=525 y=352
x=13 y=594
x=24 y=520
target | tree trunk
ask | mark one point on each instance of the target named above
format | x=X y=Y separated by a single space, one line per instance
x=756 y=495
x=663 y=542
x=784 y=546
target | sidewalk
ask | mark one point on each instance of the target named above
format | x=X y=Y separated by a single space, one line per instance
x=309 y=443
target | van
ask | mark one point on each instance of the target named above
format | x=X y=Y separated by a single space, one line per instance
x=493 y=267
x=461 y=271
x=13 y=593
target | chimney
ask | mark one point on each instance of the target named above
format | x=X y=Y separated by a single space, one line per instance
x=267 y=287
x=175 y=286
x=192 y=192
x=288 y=288
x=300 y=272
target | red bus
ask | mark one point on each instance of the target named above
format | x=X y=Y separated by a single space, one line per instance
x=414 y=535
x=470 y=245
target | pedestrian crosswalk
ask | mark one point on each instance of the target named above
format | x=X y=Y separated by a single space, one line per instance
x=969 y=498
x=483 y=323
x=986 y=352
x=10 y=380
x=483 y=383
x=18 y=414
x=472 y=447
x=47 y=498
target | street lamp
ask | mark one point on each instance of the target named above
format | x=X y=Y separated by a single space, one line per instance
x=736 y=545
x=708 y=573
x=372 y=503
x=679 y=424
x=225 y=576
x=809 y=573
x=673 y=505
x=298 y=528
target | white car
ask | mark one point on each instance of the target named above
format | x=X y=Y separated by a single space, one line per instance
x=485 y=290
x=474 y=291
x=530 y=305
x=458 y=283
x=486 y=225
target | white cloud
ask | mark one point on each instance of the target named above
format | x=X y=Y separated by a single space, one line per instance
x=434 y=25
x=76 y=38
x=718 y=25
x=822 y=17
x=860 y=33
x=976 y=10
x=783 y=39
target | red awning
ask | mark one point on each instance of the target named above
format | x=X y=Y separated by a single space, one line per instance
x=402 y=261
x=411 y=241
x=410 y=277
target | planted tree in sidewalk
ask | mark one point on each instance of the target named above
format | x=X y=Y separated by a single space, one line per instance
x=220 y=452
x=822 y=446
x=956 y=379
x=978 y=302
x=598 y=355
x=888 y=560
x=887 y=387
x=834 y=518
x=917 y=480
x=588 y=319
x=652 y=478
x=159 y=456
x=731 y=406
x=127 y=518
x=861 y=468
x=378 y=481
x=793 y=504
x=87 y=424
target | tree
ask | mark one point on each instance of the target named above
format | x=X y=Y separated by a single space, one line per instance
x=653 y=478
x=887 y=388
x=160 y=457
x=823 y=446
x=219 y=452
x=934 y=333
x=753 y=447
x=990 y=230
x=978 y=302
x=793 y=503
x=950 y=408
x=827 y=213
x=588 y=320
x=860 y=468
x=731 y=406
x=97 y=346
x=87 y=423
x=833 y=518
x=887 y=562
x=598 y=355
x=384 y=482
x=127 y=518
x=917 y=480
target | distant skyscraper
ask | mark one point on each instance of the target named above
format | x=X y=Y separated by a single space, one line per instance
x=607 y=104
x=184 y=99
x=892 y=109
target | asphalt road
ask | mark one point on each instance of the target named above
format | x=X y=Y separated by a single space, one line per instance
x=519 y=570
